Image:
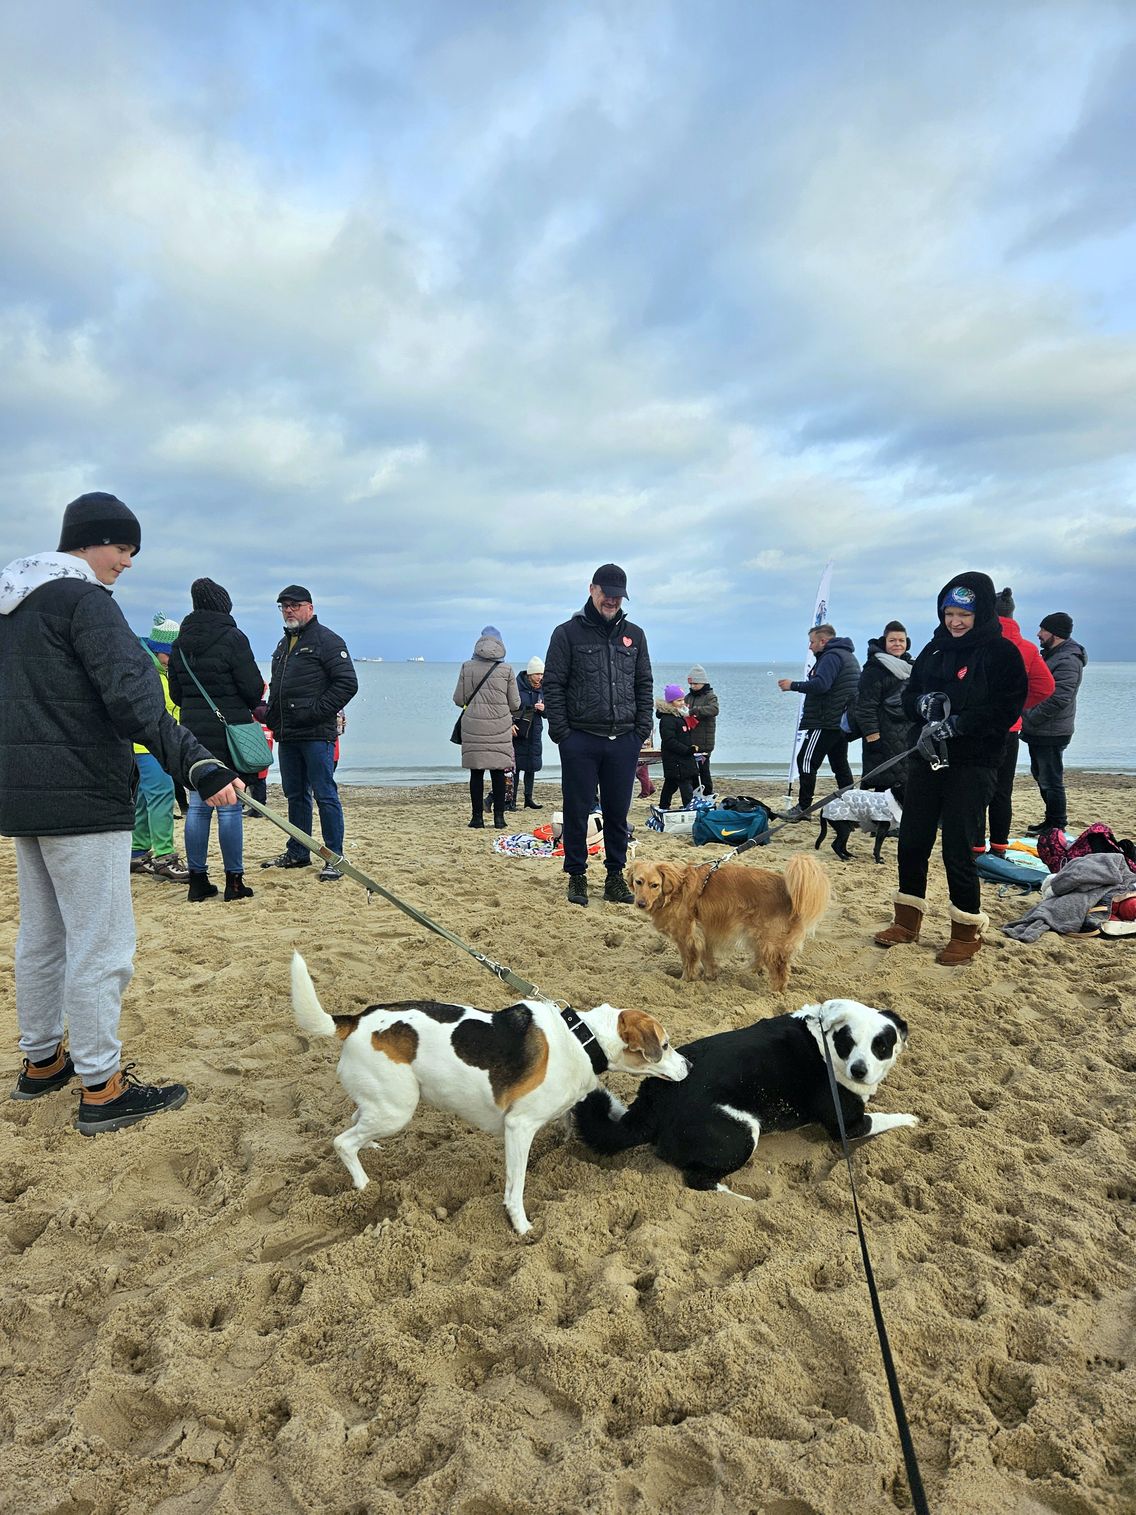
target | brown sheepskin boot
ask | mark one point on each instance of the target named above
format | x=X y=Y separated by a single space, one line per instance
x=966 y=938
x=909 y=910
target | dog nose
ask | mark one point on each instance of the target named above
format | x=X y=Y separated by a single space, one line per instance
x=858 y=1070
x=642 y=904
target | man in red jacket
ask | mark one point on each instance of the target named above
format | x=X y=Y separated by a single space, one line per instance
x=1040 y=687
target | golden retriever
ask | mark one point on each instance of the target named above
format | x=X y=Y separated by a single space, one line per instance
x=703 y=912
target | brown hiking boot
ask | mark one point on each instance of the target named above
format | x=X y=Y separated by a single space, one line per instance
x=170 y=866
x=966 y=938
x=905 y=927
x=44 y=1077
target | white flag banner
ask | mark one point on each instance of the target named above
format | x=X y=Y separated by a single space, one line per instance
x=820 y=616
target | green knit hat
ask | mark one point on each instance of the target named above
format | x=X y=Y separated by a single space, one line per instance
x=163 y=634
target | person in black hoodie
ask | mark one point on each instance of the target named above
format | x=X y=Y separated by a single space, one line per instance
x=966 y=690
x=879 y=707
x=211 y=646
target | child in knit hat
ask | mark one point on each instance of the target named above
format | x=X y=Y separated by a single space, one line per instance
x=677 y=746
x=152 y=842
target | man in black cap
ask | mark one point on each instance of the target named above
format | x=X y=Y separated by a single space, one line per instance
x=313 y=678
x=599 y=706
x=1047 y=728
x=77 y=690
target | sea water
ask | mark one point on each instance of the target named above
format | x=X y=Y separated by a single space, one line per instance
x=398 y=725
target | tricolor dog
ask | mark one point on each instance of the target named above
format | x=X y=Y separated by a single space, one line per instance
x=767 y=1077
x=508 y=1071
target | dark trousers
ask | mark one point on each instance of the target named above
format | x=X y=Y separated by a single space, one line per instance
x=585 y=762
x=685 y=788
x=528 y=775
x=1002 y=800
x=477 y=790
x=817 y=746
x=954 y=799
x=705 y=776
x=1047 y=764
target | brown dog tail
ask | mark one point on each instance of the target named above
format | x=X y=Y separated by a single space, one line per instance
x=809 y=890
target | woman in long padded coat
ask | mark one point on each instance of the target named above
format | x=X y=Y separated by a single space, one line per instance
x=211 y=643
x=879 y=706
x=487 y=723
x=528 y=757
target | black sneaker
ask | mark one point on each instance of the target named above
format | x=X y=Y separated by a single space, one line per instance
x=329 y=872
x=42 y=1078
x=577 y=888
x=616 y=891
x=794 y=813
x=286 y=860
x=130 y=1101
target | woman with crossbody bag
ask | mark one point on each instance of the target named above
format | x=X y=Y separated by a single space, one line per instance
x=487 y=692
x=217 y=684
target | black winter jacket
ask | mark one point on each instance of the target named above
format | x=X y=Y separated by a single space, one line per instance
x=830 y=685
x=527 y=752
x=597 y=677
x=982 y=674
x=311 y=682
x=677 y=747
x=222 y=659
x=77 y=690
x=880 y=712
x=704 y=705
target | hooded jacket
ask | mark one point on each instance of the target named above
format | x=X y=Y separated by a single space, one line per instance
x=704 y=705
x=77 y=690
x=1052 y=720
x=487 y=721
x=597 y=677
x=1039 y=680
x=830 y=685
x=313 y=677
x=219 y=654
x=676 y=745
x=981 y=673
x=879 y=708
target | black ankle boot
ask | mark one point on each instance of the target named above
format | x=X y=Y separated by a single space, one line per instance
x=532 y=805
x=499 y=820
x=478 y=822
x=199 y=887
x=578 y=888
x=616 y=891
x=236 y=888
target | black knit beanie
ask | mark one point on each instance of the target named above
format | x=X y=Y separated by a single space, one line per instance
x=205 y=595
x=1004 y=602
x=1060 y=624
x=97 y=520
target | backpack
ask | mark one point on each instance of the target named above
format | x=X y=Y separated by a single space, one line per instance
x=731 y=827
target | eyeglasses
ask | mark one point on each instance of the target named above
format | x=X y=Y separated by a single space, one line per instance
x=290 y=604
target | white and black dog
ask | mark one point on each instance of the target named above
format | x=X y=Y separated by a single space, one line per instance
x=770 y=1076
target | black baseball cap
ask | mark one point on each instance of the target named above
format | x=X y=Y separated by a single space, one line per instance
x=296 y=593
x=612 y=580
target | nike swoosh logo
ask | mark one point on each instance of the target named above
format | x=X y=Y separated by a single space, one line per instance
x=737 y=831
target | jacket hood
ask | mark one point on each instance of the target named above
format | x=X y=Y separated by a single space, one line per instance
x=983 y=586
x=492 y=649
x=1070 y=648
x=845 y=642
x=25 y=574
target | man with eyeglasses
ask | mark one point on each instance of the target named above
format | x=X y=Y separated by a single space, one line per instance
x=312 y=679
x=599 y=706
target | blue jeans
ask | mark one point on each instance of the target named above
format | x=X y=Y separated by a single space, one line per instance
x=230 y=833
x=307 y=769
x=585 y=762
x=1047 y=764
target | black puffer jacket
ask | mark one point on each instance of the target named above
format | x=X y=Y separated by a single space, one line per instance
x=830 y=685
x=220 y=656
x=311 y=683
x=1052 y=719
x=879 y=712
x=704 y=705
x=676 y=745
x=981 y=673
x=597 y=677
x=77 y=690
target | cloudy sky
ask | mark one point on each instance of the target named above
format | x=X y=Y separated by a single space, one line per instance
x=434 y=305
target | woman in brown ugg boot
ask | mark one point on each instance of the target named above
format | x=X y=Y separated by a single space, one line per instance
x=966 y=690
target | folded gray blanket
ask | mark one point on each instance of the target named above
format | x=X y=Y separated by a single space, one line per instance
x=1081 y=884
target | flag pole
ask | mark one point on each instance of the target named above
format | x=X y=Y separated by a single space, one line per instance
x=820 y=616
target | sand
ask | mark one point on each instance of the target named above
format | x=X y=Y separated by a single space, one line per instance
x=201 y=1314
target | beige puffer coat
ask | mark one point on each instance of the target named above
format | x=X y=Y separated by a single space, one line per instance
x=487 y=725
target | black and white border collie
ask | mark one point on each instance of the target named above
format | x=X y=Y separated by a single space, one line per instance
x=770 y=1076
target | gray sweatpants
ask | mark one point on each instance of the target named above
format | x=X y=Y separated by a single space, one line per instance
x=75 y=948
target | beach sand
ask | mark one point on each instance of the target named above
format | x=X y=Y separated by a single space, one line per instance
x=201 y=1314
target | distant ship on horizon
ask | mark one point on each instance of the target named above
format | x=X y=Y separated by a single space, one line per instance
x=416 y=660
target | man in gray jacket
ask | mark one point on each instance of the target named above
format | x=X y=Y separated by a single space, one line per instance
x=77 y=690
x=1047 y=727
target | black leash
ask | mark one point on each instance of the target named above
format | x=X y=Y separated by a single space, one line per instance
x=575 y=1024
x=910 y=1462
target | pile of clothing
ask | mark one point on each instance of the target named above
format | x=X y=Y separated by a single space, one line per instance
x=1091 y=890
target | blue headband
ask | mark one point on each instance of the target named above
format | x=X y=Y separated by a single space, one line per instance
x=960 y=598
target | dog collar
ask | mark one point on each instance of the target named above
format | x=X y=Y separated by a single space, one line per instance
x=582 y=1032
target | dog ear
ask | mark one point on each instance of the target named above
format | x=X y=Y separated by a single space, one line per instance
x=640 y=1032
x=667 y=879
x=897 y=1021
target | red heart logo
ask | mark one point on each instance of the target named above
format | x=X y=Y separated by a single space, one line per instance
x=627 y=641
x=961 y=674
